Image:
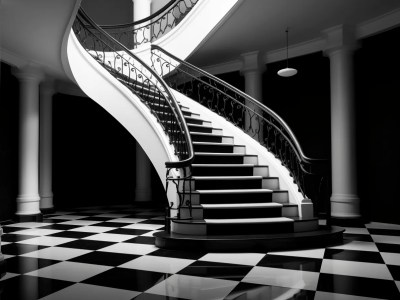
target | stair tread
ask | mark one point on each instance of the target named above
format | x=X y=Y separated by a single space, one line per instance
x=226 y=177
x=204 y=126
x=222 y=154
x=241 y=205
x=225 y=165
x=249 y=220
x=217 y=144
x=238 y=191
x=211 y=134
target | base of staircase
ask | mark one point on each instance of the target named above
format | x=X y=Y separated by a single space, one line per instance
x=322 y=237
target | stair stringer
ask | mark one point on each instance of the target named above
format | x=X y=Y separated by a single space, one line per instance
x=265 y=157
x=124 y=106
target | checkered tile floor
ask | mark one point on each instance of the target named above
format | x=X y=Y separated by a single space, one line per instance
x=110 y=254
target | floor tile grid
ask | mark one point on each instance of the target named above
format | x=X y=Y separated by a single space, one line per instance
x=126 y=250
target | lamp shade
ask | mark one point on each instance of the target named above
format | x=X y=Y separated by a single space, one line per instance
x=287 y=72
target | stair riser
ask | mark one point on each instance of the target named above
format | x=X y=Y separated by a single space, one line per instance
x=219 y=148
x=197 y=121
x=210 y=159
x=235 y=198
x=223 y=171
x=225 y=229
x=242 y=213
x=226 y=184
x=206 y=138
x=200 y=129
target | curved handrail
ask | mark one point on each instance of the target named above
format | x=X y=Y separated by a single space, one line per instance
x=182 y=76
x=141 y=80
x=152 y=27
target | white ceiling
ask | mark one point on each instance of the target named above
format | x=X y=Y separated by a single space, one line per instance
x=261 y=24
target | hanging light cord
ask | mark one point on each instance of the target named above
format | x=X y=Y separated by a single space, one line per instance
x=287 y=47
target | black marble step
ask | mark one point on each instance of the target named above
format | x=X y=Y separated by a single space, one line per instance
x=322 y=237
x=242 y=210
x=214 y=158
x=235 y=196
x=227 y=182
x=222 y=170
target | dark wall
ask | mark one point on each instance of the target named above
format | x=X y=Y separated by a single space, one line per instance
x=378 y=95
x=9 y=96
x=107 y=12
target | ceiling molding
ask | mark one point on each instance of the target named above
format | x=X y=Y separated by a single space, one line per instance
x=226 y=67
x=378 y=24
x=13 y=59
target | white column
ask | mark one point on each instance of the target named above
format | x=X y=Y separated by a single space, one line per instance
x=252 y=71
x=141 y=10
x=345 y=203
x=46 y=147
x=143 y=176
x=28 y=199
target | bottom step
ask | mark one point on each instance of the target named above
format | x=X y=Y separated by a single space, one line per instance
x=322 y=237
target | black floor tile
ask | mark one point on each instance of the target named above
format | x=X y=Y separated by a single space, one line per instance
x=157 y=222
x=101 y=219
x=60 y=227
x=87 y=244
x=129 y=231
x=18 y=249
x=111 y=224
x=178 y=253
x=384 y=231
x=142 y=240
x=145 y=296
x=216 y=270
x=357 y=237
x=352 y=255
x=30 y=287
x=55 y=221
x=7 y=229
x=12 y=238
x=395 y=271
x=104 y=258
x=247 y=291
x=393 y=248
x=72 y=234
x=359 y=286
x=22 y=265
x=290 y=262
x=127 y=279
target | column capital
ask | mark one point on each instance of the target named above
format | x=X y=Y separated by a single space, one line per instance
x=48 y=87
x=28 y=73
x=341 y=37
x=252 y=62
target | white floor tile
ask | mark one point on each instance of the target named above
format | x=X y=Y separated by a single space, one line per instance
x=312 y=253
x=333 y=296
x=386 y=239
x=5 y=243
x=250 y=259
x=126 y=220
x=158 y=264
x=80 y=222
x=358 y=246
x=151 y=233
x=68 y=217
x=143 y=226
x=37 y=231
x=97 y=211
x=29 y=224
x=282 y=277
x=69 y=271
x=111 y=215
x=191 y=287
x=46 y=241
x=130 y=248
x=398 y=285
x=93 y=229
x=7 y=256
x=391 y=258
x=378 y=225
x=110 y=237
x=81 y=291
x=355 y=230
x=57 y=253
x=355 y=268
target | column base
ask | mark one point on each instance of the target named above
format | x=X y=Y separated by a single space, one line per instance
x=28 y=218
x=347 y=222
x=47 y=210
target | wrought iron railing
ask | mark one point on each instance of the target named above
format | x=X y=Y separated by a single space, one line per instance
x=151 y=89
x=247 y=113
x=153 y=27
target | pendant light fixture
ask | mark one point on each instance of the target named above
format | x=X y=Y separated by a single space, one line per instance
x=287 y=72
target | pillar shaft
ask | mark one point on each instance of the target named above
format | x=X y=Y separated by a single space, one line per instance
x=28 y=194
x=141 y=10
x=345 y=203
x=45 y=150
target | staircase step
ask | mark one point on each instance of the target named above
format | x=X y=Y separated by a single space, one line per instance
x=198 y=121
x=242 y=210
x=218 y=147
x=224 y=158
x=235 y=196
x=203 y=128
x=209 y=137
x=226 y=182
x=229 y=170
